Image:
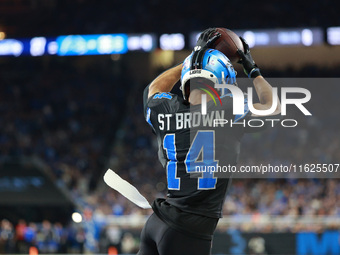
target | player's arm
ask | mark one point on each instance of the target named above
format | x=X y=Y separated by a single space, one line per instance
x=265 y=94
x=165 y=81
x=262 y=87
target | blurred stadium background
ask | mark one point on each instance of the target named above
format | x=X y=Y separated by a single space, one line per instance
x=71 y=80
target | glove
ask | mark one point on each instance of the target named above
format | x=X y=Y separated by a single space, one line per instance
x=207 y=38
x=249 y=66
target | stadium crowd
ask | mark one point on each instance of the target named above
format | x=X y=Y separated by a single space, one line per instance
x=48 y=238
x=64 y=116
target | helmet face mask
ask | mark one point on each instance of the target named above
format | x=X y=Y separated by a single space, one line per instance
x=209 y=64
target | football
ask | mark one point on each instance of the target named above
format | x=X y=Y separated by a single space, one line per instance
x=228 y=44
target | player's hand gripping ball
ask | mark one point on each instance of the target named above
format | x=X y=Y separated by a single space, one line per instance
x=207 y=38
x=228 y=42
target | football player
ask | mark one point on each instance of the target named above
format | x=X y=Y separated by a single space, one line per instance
x=184 y=222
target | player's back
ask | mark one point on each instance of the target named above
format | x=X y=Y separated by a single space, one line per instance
x=191 y=147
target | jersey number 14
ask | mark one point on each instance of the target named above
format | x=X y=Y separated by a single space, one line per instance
x=199 y=159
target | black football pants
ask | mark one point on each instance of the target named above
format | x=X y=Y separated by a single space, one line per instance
x=157 y=238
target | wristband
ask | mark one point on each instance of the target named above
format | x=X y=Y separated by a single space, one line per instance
x=254 y=73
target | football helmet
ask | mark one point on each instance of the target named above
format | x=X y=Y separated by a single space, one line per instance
x=210 y=64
